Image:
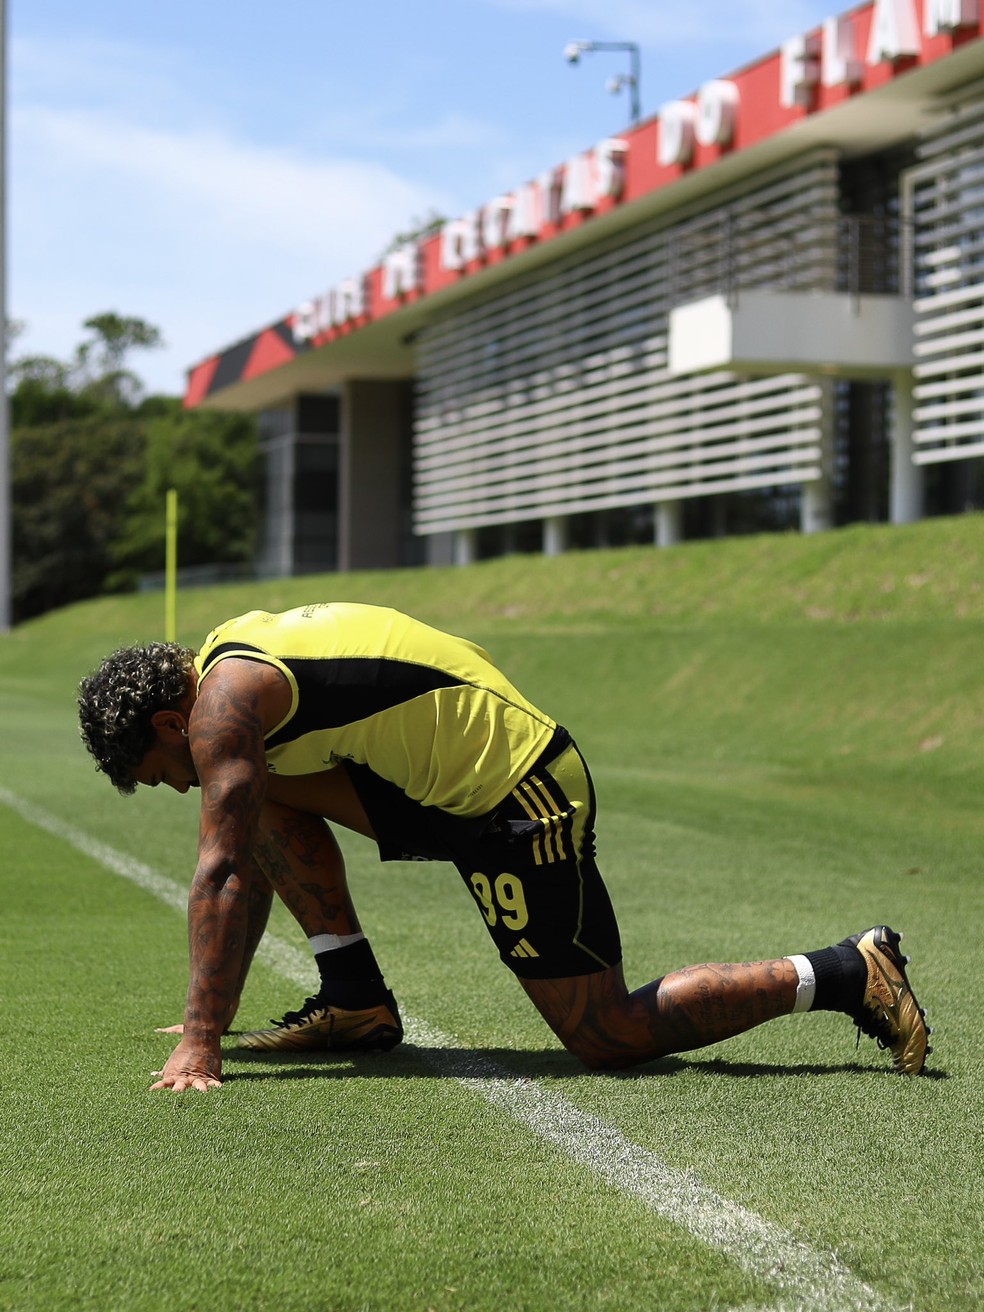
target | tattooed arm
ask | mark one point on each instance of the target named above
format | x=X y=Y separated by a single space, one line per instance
x=260 y=899
x=226 y=730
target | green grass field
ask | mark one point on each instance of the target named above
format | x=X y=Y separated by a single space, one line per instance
x=786 y=735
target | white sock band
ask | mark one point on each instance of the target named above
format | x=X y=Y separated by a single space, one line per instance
x=807 y=987
x=331 y=942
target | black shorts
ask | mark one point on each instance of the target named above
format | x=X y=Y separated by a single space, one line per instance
x=529 y=863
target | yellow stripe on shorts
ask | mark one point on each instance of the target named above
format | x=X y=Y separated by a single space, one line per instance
x=536 y=801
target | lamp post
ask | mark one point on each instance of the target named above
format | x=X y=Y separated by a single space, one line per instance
x=6 y=564
x=575 y=49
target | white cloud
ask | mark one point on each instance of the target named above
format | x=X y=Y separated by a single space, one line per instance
x=131 y=190
x=218 y=186
x=207 y=236
x=144 y=81
x=383 y=127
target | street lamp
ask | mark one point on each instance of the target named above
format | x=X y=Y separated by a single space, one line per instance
x=6 y=548
x=575 y=49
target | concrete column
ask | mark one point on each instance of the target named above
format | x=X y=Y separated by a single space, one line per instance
x=816 y=505
x=439 y=549
x=277 y=534
x=374 y=437
x=555 y=535
x=669 y=523
x=465 y=546
x=816 y=512
x=905 y=478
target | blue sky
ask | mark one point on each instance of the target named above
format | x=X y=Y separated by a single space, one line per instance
x=208 y=165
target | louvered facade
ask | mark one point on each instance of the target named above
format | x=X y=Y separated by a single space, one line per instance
x=945 y=195
x=555 y=396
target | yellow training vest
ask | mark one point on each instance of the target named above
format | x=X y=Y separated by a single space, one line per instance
x=425 y=710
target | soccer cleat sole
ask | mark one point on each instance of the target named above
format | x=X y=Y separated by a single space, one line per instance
x=374 y=1030
x=380 y=1039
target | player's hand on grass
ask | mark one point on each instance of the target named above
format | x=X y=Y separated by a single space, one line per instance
x=192 y=1065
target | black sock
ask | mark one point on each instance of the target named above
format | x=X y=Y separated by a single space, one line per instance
x=350 y=976
x=840 y=975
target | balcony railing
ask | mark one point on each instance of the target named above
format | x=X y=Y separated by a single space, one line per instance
x=856 y=254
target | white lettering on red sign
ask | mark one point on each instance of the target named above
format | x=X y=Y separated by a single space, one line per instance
x=471 y=237
x=461 y=241
x=676 y=133
x=799 y=70
x=525 y=219
x=839 y=59
x=577 y=192
x=550 y=184
x=349 y=300
x=711 y=121
x=717 y=112
x=451 y=245
x=401 y=270
x=949 y=15
x=343 y=302
x=806 y=61
x=495 y=222
x=586 y=180
x=591 y=177
x=303 y=327
x=610 y=167
x=894 y=31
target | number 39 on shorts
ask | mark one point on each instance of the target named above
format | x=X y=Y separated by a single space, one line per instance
x=502 y=900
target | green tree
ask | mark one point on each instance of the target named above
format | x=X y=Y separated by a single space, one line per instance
x=90 y=464
x=99 y=360
x=69 y=480
x=419 y=230
x=210 y=458
x=45 y=388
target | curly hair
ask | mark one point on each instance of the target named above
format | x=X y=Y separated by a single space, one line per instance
x=117 y=701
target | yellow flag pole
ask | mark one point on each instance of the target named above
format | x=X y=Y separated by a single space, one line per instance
x=171 y=566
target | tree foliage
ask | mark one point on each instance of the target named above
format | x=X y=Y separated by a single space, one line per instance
x=69 y=480
x=94 y=378
x=99 y=359
x=91 y=463
x=419 y=229
x=210 y=459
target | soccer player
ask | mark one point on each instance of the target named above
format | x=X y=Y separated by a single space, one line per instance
x=363 y=717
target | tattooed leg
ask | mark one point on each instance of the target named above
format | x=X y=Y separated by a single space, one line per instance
x=300 y=857
x=597 y=1019
x=303 y=862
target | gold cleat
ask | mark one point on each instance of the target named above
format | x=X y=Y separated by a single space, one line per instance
x=318 y=1025
x=889 y=1012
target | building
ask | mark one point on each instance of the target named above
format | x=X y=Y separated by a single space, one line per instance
x=762 y=308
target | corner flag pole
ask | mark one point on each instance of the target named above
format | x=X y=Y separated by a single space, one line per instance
x=171 y=566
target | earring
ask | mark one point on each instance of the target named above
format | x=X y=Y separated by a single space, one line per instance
x=184 y=733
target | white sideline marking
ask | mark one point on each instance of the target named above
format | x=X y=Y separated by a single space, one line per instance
x=811 y=1281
